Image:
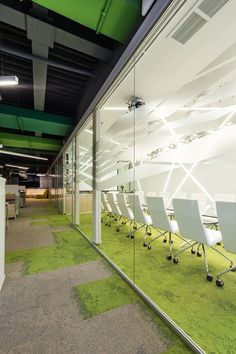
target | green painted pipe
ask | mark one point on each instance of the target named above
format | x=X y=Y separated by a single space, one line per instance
x=103 y=15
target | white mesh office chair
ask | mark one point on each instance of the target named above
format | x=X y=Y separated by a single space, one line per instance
x=190 y=224
x=226 y=212
x=115 y=209
x=139 y=215
x=125 y=210
x=161 y=220
x=107 y=209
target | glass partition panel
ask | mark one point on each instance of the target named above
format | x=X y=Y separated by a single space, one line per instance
x=60 y=184
x=84 y=180
x=184 y=162
x=68 y=181
x=114 y=160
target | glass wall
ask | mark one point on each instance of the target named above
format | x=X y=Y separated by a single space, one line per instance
x=69 y=180
x=83 y=212
x=152 y=162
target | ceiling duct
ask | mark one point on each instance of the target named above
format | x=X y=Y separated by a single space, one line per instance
x=189 y=27
x=211 y=7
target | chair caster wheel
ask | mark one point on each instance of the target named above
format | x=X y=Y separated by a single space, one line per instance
x=175 y=260
x=149 y=233
x=193 y=251
x=219 y=283
x=106 y=224
x=218 y=243
x=169 y=257
x=132 y=236
x=165 y=240
x=171 y=241
x=199 y=254
x=209 y=277
x=128 y=236
x=145 y=244
x=109 y=225
x=233 y=269
x=149 y=247
x=117 y=230
x=135 y=227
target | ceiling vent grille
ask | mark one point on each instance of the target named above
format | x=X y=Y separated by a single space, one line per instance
x=211 y=7
x=188 y=28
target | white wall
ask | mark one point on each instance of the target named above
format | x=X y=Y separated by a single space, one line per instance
x=2 y=230
x=214 y=175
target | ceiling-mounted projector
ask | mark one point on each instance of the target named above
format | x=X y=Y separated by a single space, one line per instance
x=135 y=102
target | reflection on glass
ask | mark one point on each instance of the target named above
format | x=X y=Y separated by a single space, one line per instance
x=68 y=181
x=84 y=180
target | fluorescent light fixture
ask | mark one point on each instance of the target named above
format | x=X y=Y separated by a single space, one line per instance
x=1 y=146
x=8 y=80
x=15 y=166
x=115 y=109
x=40 y=175
x=6 y=152
x=88 y=131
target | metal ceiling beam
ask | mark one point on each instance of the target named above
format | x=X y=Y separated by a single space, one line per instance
x=17 y=19
x=29 y=142
x=42 y=37
x=34 y=121
x=46 y=61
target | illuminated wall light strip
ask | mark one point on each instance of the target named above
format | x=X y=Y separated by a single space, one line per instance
x=81 y=147
x=88 y=131
x=115 y=142
x=226 y=120
x=207 y=109
x=169 y=177
x=182 y=165
x=181 y=183
x=105 y=162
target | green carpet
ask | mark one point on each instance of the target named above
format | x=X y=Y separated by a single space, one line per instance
x=51 y=219
x=202 y=310
x=103 y=295
x=69 y=250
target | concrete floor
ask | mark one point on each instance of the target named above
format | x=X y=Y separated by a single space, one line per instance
x=40 y=316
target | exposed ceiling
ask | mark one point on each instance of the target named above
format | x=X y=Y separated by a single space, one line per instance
x=115 y=19
x=59 y=53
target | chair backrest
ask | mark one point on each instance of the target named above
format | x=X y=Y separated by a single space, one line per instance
x=178 y=195
x=225 y=197
x=226 y=212
x=105 y=203
x=123 y=206
x=141 y=196
x=151 y=194
x=114 y=207
x=135 y=205
x=189 y=219
x=157 y=210
x=202 y=201
x=200 y=197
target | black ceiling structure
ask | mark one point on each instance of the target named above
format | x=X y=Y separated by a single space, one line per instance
x=60 y=65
